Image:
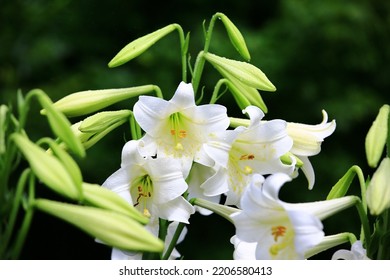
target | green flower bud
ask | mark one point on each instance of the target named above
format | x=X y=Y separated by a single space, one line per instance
x=378 y=190
x=85 y=102
x=239 y=97
x=244 y=72
x=140 y=45
x=67 y=161
x=103 y=120
x=377 y=135
x=98 y=196
x=60 y=124
x=235 y=37
x=251 y=94
x=111 y=228
x=47 y=168
x=88 y=139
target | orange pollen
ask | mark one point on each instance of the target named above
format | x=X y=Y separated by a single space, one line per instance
x=278 y=231
x=246 y=157
x=182 y=133
x=140 y=195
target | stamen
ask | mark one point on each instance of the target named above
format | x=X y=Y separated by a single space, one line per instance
x=278 y=231
x=248 y=170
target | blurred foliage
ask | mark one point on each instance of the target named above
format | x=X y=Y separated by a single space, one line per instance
x=331 y=55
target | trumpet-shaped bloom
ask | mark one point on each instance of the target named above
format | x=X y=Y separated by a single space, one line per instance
x=178 y=127
x=249 y=150
x=277 y=229
x=153 y=185
x=307 y=140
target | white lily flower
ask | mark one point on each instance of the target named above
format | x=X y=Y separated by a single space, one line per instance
x=205 y=182
x=280 y=230
x=178 y=127
x=307 y=140
x=249 y=150
x=153 y=227
x=153 y=185
x=357 y=252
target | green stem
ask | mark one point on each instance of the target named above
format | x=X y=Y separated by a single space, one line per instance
x=21 y=237
x=183 y=49
x=200 y=61
x=217 y=87
x=383 y=250
x=14 y=211
x=174 y=240
x=366 y=232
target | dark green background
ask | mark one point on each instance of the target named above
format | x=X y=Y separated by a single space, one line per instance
x=331 y=55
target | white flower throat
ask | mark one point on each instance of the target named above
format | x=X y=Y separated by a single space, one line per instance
x=141 y=192
x=177 y=130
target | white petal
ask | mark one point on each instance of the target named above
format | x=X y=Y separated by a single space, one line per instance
x=184 y=96
x=151 y=113
x=131 y=153
x=219 y=145
x=177 y=209
x=118 y=181
x=308 y=231
x=255 y=114
x=308 y=170
x=167 y=178
x=211 y=117
x=243 y=250
x=117 y=254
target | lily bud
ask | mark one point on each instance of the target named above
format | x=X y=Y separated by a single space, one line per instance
x=376 y=136
x=140 y=45
x=111 y=228
x=68 y=162
x=60 y=124
x=235 y=37
x=103 y=120
x=239 y=97
x=246 y=73
x=47 y=168
x=378 y=191
x=104 y=198
x=85 y=102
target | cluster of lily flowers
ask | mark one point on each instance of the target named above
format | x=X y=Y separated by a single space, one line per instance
x=188 y=152
x=186 y=157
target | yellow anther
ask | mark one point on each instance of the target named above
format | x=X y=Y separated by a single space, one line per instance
x=179 y=146
x=248 y=170
x=147 y=213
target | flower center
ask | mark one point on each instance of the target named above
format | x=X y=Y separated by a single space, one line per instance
x=142 y=191
x=283 y=239
x=177 y=130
